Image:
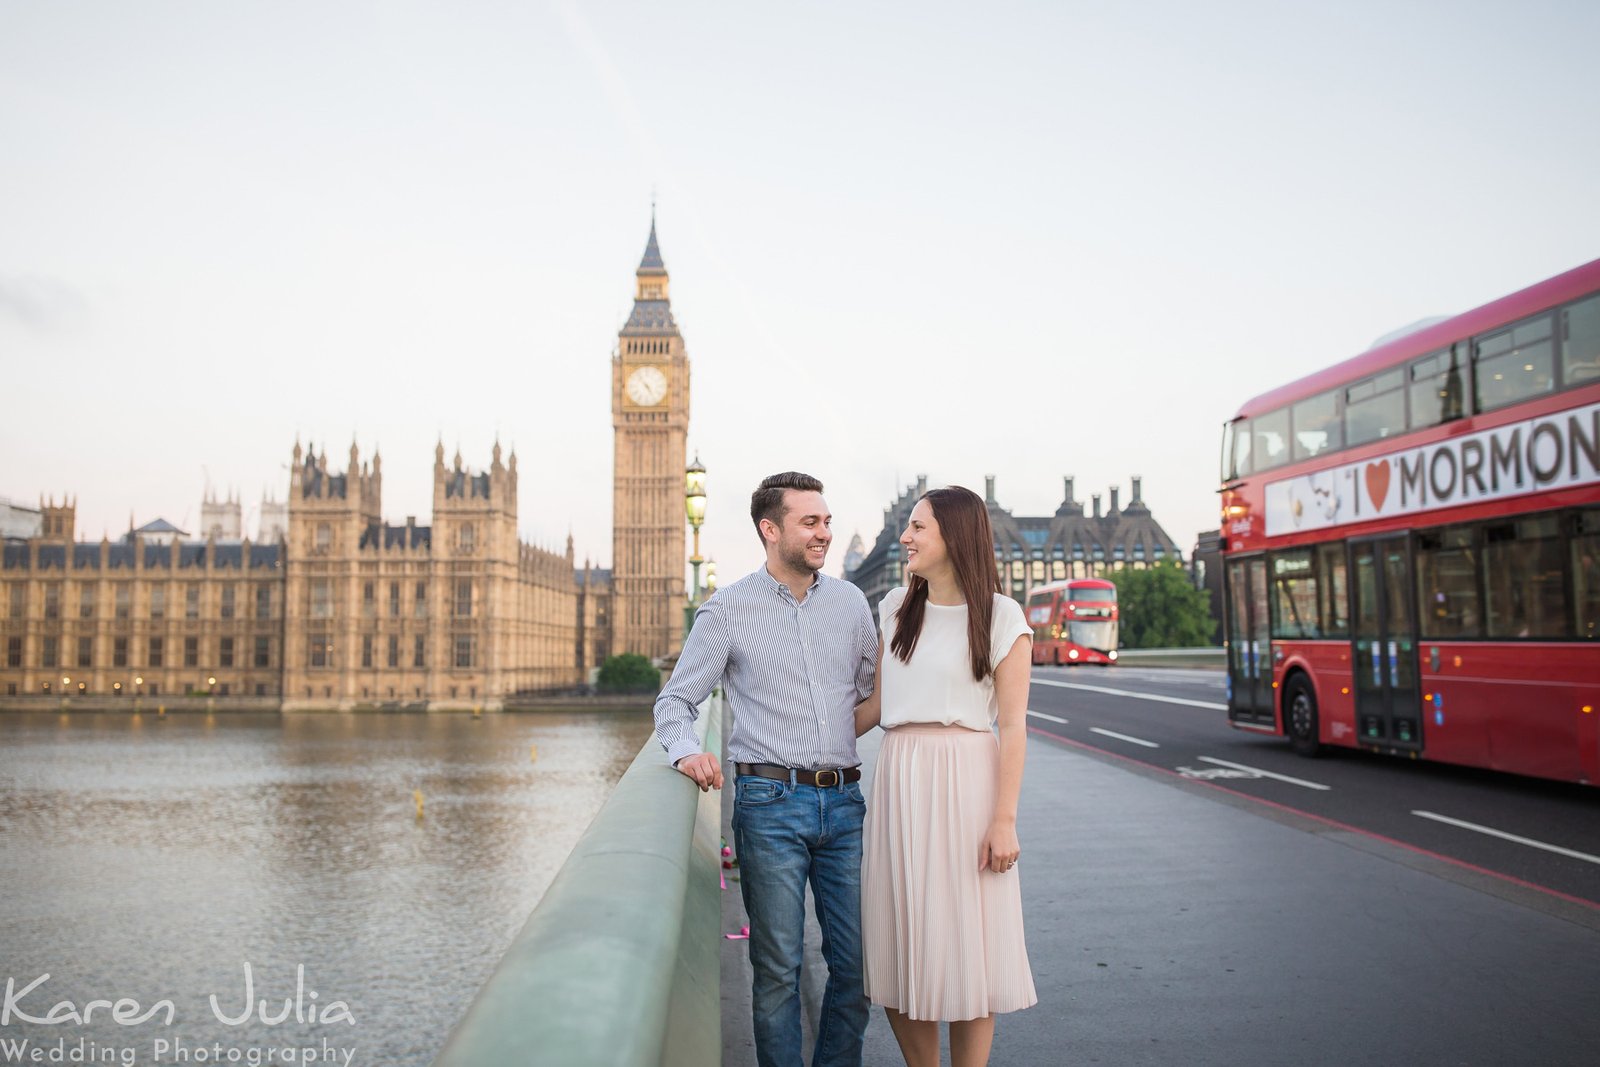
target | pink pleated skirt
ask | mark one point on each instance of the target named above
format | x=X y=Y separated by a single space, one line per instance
x=943 y=940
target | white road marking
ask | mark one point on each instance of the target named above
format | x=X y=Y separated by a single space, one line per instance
x=1264 y=774
x=1137 y=696
x=1047 y=718
x=1508 y=837
x=1202 y=774
x=1124 y=737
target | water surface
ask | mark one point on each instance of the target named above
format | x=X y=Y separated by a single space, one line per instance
x=152 y=857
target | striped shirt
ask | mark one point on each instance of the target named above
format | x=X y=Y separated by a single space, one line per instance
x=792 y=672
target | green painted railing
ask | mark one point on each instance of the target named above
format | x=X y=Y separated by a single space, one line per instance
x=618 y=964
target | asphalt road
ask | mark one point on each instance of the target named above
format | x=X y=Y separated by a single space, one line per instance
x=1544 y=835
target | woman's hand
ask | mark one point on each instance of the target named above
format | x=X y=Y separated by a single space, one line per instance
x=1000 y=847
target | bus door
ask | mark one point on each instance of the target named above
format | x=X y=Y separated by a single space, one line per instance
x=1384 y=643
x=1249 y=643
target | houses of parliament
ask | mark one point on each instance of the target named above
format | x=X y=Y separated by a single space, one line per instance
x=335 y=607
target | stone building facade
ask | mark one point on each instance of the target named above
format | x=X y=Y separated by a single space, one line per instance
x=132 y=617
x=339 y=608
x=650 y=419
x=458 y=614
x=1033 y=550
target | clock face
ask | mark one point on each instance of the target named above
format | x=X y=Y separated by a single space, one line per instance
x=647 y=386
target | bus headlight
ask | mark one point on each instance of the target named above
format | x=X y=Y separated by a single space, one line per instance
x=1112 y=655
x=1072 y=654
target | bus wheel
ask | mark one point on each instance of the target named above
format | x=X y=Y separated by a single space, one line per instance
x=1300 y=716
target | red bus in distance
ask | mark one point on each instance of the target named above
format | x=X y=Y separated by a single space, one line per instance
x=1412 y=543
x=1074 y=622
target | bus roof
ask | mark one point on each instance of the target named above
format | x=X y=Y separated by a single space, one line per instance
x=1431 y=338
x=1066 y=584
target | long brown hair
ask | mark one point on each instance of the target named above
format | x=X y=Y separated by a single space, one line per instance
x=963 y=520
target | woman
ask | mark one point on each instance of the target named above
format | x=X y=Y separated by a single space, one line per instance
x=941 y=906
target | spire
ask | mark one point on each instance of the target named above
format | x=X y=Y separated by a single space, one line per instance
x=652 y=252
x=652 y=309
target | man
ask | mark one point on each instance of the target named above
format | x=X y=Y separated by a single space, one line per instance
x=795 y=653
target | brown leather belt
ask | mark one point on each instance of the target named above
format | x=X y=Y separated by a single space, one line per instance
x=825 y=779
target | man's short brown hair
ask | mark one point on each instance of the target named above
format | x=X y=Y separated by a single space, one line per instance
x=767 y=501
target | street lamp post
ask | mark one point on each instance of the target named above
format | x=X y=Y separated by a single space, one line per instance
x=694 y=502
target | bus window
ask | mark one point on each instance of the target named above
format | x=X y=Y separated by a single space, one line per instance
x=1436 y=390
x=1526 y=587
x=1294 y=595
x=1236 y=450
x=1317 y=428
x=1514 y=364
x=1271 y=444
x=1586 y=573
x=1334 y=586
x=1580 y=342
x=1447 y=583
x=1375 y=408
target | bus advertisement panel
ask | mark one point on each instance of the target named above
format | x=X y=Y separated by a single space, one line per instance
x=1074 y=622
x=1411 y=541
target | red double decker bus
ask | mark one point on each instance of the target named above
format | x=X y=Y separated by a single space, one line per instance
x=1411 y=541
x=1074 y=622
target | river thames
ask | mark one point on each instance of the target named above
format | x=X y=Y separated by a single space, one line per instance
x=159 y=859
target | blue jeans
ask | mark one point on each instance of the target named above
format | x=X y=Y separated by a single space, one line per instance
x=785 y=834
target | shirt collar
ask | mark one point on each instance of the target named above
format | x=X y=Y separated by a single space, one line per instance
x=777 y=586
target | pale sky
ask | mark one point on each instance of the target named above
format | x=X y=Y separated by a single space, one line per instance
x=1028 y=240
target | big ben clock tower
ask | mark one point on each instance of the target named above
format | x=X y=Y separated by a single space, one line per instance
x=650 y=414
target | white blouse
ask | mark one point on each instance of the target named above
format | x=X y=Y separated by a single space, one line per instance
x=937 y=685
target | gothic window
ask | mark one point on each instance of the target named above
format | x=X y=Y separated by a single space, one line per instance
x=321 y=599
x=324 y=537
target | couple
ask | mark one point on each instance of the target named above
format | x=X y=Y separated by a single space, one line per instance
x=805 y=672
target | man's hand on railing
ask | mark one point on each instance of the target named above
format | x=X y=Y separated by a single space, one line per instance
x=704 y=768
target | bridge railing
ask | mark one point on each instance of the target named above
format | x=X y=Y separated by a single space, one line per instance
x=618 y=964
x=1173 y=657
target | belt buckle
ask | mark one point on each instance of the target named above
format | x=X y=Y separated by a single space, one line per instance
x=830 y=782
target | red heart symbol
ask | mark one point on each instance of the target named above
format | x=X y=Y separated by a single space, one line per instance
x=1378 y=483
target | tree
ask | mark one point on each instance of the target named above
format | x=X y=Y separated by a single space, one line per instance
x=1159 y=607
x=629 y=673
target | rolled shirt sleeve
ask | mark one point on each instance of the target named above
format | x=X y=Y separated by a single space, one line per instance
x=700 y=667
x=867 y=642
